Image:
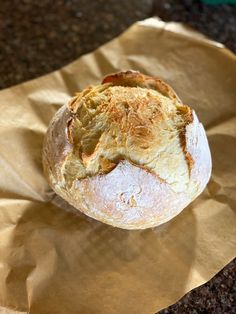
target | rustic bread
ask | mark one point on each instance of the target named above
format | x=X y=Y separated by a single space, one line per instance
x=127 y=152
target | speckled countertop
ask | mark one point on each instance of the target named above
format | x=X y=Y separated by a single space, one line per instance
x=37 y=37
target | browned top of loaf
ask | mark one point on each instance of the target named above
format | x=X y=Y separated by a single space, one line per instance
x=129 y=116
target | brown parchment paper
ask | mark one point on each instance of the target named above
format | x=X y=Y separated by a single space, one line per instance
x=57 y=262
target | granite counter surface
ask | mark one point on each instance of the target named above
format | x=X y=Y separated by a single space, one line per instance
x=37 y=37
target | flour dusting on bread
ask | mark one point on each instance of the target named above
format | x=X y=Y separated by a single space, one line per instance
x=129 y=122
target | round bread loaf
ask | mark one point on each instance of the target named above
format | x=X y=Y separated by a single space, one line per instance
x=127 y=152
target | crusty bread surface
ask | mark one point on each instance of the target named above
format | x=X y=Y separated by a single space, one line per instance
x=127 y=152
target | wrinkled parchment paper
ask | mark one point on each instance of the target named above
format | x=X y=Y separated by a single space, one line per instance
x=54 y=261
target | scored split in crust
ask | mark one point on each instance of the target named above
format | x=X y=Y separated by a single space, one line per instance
x=130 y=121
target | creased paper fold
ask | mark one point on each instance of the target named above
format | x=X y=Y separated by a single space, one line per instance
x=54 y=260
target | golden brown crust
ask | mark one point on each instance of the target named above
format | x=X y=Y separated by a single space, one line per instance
x=127 y=152
x=136 y=79
x=125 y=122
x=182 y=135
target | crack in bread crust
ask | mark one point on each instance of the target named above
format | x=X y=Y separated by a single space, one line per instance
x=127 y=152
x=129 y=117
x=136 y=79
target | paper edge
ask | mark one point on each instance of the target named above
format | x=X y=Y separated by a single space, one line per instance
x=154 y=22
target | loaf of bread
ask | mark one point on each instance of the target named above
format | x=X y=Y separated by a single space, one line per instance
x=127 y=152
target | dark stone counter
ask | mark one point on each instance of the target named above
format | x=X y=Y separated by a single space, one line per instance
x=37 y=37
